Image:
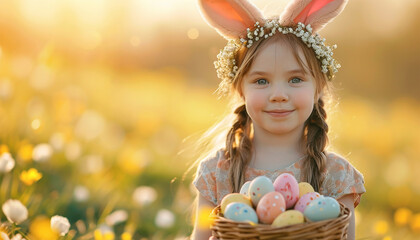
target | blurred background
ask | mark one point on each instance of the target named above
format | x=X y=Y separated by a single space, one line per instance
x=96 y=97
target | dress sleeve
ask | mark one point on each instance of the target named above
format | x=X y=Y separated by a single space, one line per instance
x=341 y=178
x=205 y=179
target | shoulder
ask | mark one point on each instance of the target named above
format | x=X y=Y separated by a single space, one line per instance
x=337 y=163
x=341 y=178
x=213 y=161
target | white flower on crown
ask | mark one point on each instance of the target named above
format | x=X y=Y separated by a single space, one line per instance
x=226 y=66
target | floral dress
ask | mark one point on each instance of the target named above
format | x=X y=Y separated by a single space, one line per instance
x=340 y=177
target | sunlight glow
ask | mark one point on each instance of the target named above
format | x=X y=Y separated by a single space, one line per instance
x=135 y=41
x=42 y=14
x=35 y=124
x=193 y=33
x=90 y=14
x=381 y=227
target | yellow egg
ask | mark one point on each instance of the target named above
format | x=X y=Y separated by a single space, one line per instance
x=305 y=188
x=289 y=217
x=234 y=197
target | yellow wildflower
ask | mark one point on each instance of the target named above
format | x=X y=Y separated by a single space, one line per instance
x=415 y=223
x=3 y=149
x=204 y=221
x=126 y=236
x=30 y=176
x=402 y=216
x=381 y=227
x=40 y=229
x=3 y=235
x=103 y=235
x=25 y=152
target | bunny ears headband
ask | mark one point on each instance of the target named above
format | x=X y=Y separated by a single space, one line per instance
x=239 y=22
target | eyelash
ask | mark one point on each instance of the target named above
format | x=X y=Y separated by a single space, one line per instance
x=300 y=80
x=258 y=80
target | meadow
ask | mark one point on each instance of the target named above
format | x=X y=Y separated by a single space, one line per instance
x=97 y=120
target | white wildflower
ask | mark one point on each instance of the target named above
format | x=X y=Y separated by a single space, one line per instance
x=17 y=237
x=7 y=163
x=116 y=217
x=81 y=193
x=164 y=219
x=15 y=211
x=42 y=152
x=60 y=225
x=144 y=195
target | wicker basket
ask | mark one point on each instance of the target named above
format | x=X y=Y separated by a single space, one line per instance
x=223 y=228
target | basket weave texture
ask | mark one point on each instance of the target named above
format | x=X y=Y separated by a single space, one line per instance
x=223 y=228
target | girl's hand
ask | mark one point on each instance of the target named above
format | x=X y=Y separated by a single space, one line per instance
x=212 y=238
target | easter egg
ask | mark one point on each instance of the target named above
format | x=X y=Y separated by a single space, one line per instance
x=322 y=208
x=287 y=185
x=240 y=212
x=305 y=188
x=305 y=200
x=234 y=197
x=260 y=186
x=289 y=217
x=270 y=206
x=245 y=188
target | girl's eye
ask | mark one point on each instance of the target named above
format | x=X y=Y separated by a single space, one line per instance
x=296 y=80
x=261 y=81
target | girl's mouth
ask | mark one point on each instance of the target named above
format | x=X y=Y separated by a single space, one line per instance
x=279 y=113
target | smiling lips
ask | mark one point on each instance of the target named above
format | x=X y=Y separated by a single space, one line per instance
x=279 y=113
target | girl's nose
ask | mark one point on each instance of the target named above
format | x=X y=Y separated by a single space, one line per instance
x=279 y=94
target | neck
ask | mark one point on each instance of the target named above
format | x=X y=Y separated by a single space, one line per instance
x=289 y=143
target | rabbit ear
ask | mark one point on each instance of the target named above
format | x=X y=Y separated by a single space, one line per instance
x=230 y=18
x=315 y=12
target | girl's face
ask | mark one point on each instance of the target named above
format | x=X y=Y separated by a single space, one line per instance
x=279 y=96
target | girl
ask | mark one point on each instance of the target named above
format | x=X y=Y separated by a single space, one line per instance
x=277 y=72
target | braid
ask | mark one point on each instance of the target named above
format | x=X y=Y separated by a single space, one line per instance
x=316 y=141
x=238 y=148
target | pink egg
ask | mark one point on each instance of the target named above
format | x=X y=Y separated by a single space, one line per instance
x=270 y=206
x=287 y=185
x=305 y=200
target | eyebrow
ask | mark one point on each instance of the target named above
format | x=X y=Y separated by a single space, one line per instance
x=288 y=72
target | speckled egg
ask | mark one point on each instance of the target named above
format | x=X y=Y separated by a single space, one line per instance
x=270 y=206
x=305 y=200
x=305 y=188
x=289 y=217
x=322 y=208
x=245 y=188
x=240 y=212
x=287 y=185
x=260 y=186
x=234 y=197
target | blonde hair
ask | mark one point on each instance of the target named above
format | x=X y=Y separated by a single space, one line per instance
x=236 y=127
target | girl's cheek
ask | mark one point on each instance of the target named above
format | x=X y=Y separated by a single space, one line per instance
x=256 y=99
x=304 y=98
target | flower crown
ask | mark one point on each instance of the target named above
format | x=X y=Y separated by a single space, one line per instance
x=226 y=63
x=303 y=18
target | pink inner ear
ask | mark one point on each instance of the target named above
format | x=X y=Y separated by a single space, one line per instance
x=311 y=8
x=225 y=9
